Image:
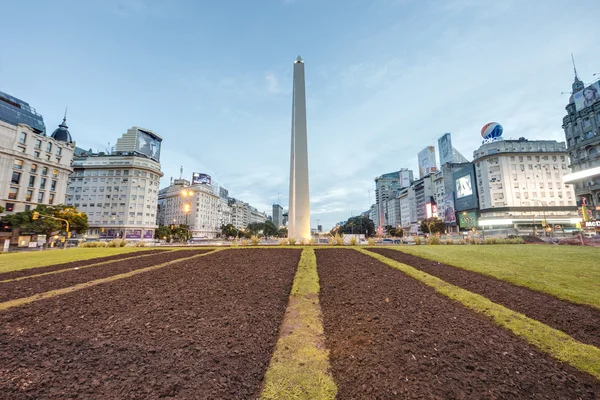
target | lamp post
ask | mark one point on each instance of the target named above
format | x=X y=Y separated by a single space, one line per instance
x=186 y=209
x=543 y=213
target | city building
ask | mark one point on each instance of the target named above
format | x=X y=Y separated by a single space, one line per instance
x=387 y=187
x=582 y=133
x=35 y=168
x=424 y=197
x=240 y=215
x=277 y=215
x=255 y=216
x=520 y=184
x=119 y=191
x=195 y=206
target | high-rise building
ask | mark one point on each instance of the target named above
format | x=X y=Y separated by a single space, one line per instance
x=277 y=215
x=299 y=207
x=520 y=184
x=35 y=167
x=118 y=191
x=582 y=132
x=387 y=187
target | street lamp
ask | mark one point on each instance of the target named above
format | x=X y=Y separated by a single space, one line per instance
x=186 y=209
x=543 y=212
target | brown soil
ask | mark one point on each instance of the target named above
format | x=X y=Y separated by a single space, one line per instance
x=199 y=329
x=393 y=337
x=580 y=321
x=45 y=283
x=74 y=264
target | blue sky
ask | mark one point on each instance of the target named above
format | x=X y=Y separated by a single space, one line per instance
x=385 y=78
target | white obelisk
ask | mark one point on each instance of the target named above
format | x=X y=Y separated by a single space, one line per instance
x=299 y=204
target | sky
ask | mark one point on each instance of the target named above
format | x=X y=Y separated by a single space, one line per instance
x=384 y=79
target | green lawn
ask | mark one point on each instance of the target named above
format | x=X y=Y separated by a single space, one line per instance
x=568 y=272
x=32 y=259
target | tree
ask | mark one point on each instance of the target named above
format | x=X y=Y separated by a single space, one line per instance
x=78 y=221
x=48 y=226
x=269 y=229
x=432 y=225
x=358 y=224
x=254 y=228
x=163 y=232
x=229 y=231
x=282 y=233
x=1 y=209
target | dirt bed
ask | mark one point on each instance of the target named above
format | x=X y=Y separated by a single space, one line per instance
x=199 y=329
x=393 y=337
x=74 y=264
x=29 y=287
x=580 y=321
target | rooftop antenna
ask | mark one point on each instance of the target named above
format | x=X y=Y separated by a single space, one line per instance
x=65 y=117
x=108 y=148
x=574 y=68
x=181 y=172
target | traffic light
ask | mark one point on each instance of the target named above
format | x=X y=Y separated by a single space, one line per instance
x=102 y=230
x=172 y=227
x=35 y=215
x=69 y=235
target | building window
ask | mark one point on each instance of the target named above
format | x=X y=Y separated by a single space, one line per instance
x=43 y=183
x=10 y=207
x=28 y=195
x=592 y=151
x=36 y=154
x=53 y=187
x=27 y=207
x=54 y=173
x=51 y=199
x=22 y=149
x=40 y=197
x=38 y=144
x=58 y=151
x=16 y=178
x=45 y=171
x=22 y=137
x=33 y=168
x=49 y=147
x=12 y=193
x=18 y=164
x=31 y=181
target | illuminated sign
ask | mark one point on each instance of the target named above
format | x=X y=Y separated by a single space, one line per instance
x=467 y=220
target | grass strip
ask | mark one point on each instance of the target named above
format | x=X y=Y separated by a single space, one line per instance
x=299 y=368
x=41 y=258
x=558 y=344
x=71 y=269
x=53 y=293
x=570 y=273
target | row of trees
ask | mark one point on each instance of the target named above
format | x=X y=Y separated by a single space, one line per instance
x=266 y=229
x=430 y=225
x=78 y=221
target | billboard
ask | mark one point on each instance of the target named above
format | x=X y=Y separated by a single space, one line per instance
x=449 y=214
x=445 y=149
x=148 y=145
x=464 y=186
x=588 y=96
x=463 y=189
x=426 y=159
x=203 y=179
x=467 y=220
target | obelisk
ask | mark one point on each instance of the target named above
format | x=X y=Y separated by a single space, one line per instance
x=299 y=204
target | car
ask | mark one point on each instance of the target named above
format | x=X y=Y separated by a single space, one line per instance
x=394 y=241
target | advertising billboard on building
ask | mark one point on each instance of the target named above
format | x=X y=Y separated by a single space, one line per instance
x=467 y=220
x=426 y=158
x=465 y=191
x=449 y=213
x=464 y=187
x=445 y=148
x=588 y=96
x=148 y=145
x=203 y=179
